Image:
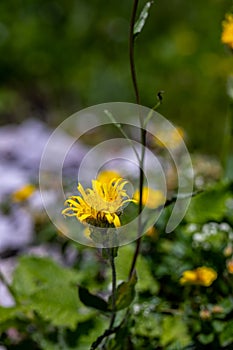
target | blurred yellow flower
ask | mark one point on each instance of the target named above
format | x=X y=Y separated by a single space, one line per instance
x=107 y=175
x=217 y=309
x=230 y=266
x=171 y=139
x=203 y=276
x=227 y=33
x=228 y=250
x=150 y=198
x=23 y=193
x=205 y=314
x=100 y=205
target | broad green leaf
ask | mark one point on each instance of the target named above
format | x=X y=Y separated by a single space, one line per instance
x=226 y=336
x=8 y=313
x=138 y=26
x=218 y=325
x=206 y=338
x=125 y=294
x=209 y=205
x=34 y=273
x=92 y=300
x=50 y=290
x=174 y=329
x=59 y=305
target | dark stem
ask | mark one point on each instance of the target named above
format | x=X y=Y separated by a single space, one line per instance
x=131 y=51
x=107 y=333
x=143 y=133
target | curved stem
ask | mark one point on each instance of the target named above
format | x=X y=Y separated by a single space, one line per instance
x=143 y=132
x=131 y=51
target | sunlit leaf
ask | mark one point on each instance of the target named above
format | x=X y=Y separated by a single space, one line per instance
x=58 y=305
x=8 y=313
x=142 y=18
x=43 y=286
x=33 y=273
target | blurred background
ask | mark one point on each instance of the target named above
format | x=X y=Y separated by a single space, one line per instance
x=58 y=57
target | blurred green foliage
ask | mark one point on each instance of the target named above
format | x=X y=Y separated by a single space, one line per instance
x=59 y=56
x=50 y=314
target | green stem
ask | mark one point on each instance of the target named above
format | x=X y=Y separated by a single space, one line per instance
x=113 y=267
x=227 y=137
x=118 y=125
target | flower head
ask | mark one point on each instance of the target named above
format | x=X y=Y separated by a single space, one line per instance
x=107 y=175
x=227 y=33
x=203 y=276
x=23 y=193
x=150 y=198
x=230 y=266
x=100 y=205
x=172 y=139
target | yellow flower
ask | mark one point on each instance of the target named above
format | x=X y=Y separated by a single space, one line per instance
x=205 y=314
x=23 y=193
x=227 y=33
x=203 y=276
x=150 y=198
x=188 y=276
x=100 y=205
x=230 y=266
x=171 y=139
x=228 y=250
x=107 y=175
x=217 y=309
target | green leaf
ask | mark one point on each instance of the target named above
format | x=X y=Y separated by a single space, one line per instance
x=125 y=294
x=209 y=205
x=146 y=281
x=218 y=325
x=148 y=325
x=92 y=300
x=206 y=338
x=174 y=329
x=226 y=337
x=8 y=313
x=138 y=26
x=58 y=305
x=43 y=286
x=34 y=273
x=227 y=305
